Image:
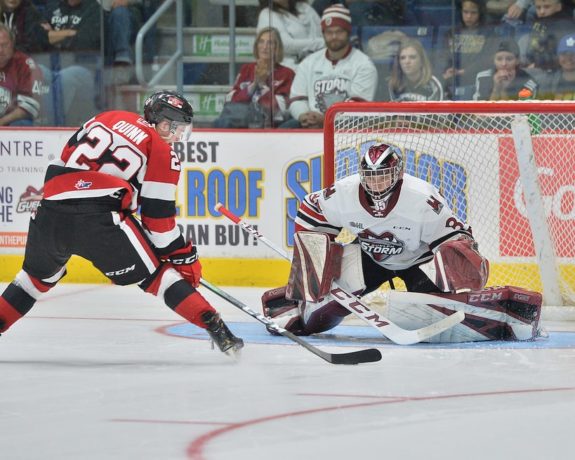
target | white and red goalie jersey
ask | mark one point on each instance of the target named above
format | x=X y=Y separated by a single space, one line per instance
x=119 y=154
x=397 y=233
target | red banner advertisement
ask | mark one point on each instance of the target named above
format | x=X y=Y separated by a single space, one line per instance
x=556 y=177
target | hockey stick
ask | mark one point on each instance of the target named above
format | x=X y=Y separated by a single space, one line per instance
x=355 y=357
x=354 y=304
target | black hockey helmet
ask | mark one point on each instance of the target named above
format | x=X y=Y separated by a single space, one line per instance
x=167 y=105
x=380 y=169
x=172 y=107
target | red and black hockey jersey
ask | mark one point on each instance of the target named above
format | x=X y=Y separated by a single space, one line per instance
x=118 y=154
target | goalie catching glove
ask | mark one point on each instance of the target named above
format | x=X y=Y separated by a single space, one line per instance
x=185 y=260
x=459 y=266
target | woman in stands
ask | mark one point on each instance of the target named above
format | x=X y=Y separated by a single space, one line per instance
x=298 y=25
x=411 y=77
x=262 y=86
x=466 y=50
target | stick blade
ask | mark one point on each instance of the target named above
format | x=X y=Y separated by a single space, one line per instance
x=369 y=355
x=355 y=357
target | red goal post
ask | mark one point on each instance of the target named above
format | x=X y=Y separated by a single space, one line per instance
x=508 y=168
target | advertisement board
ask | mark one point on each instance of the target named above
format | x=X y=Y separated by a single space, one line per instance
x=261 y=176
x=257 y=175
x=557 y=185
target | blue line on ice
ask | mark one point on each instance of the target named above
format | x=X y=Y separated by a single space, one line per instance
x=354 y=336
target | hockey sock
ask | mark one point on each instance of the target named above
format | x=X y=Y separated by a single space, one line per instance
x=178 y=294
x=14 y=303
x=187 y=302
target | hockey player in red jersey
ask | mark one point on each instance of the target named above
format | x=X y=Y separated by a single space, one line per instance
x=114 y=163
x=401 y=224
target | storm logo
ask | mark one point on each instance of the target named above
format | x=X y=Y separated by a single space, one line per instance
x=328 y=92
x=381 y=247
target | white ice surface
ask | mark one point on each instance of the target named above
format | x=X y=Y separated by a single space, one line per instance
x=88 y=375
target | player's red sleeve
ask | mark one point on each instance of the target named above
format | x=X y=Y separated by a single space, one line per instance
x=158 y=197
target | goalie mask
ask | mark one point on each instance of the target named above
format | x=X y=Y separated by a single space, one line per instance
x=171 y=114
x=380 y=170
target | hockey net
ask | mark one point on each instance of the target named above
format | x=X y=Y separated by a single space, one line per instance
x=507 y=168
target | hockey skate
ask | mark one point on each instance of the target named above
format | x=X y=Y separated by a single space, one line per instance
x=227 y=342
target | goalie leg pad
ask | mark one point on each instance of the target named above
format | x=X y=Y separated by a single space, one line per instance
x=316 y=263
x=519 y=310
x=500 y=313
x=322 y=316
x=351 y=277
x=301 y=318
x=284 y=312
x=460 y=266
x=350 y=272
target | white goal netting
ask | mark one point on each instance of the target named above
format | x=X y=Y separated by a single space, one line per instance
x=506 y=168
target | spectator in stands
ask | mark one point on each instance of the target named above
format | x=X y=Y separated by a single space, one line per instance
x=498 y=10
x=122 y=20
x=506 y=79
x=298 y=25
x=374 y=12
x=20 y=83
x=80 y=19
x=34 y=34
x=119 y=24
x=516 y=12
x=552 y=23
x=524 y=12
x=339 y=73
x=412 y=77
x=260 y=94
x=74 y=31
x=26 y=21
x=467 y=50
x=561 y=83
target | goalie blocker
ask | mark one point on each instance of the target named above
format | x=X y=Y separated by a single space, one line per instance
x=303 y=307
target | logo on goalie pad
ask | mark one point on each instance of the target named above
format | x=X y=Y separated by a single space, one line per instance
x=487 y=297
x=380 y=247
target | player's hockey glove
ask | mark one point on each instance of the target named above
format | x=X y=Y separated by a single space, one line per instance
x=185 y=260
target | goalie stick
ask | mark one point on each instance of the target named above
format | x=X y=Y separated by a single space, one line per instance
x=351 y=302
x=355 y=357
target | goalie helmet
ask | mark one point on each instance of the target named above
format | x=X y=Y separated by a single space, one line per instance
x=171 y=107
x=380 y=170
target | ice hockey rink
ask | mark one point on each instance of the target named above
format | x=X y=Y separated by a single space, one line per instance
x=103 y=372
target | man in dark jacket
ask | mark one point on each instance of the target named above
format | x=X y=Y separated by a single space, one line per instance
x=74 y=35
x=28 y=25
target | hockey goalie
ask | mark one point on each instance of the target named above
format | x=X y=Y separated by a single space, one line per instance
x=403 y=229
